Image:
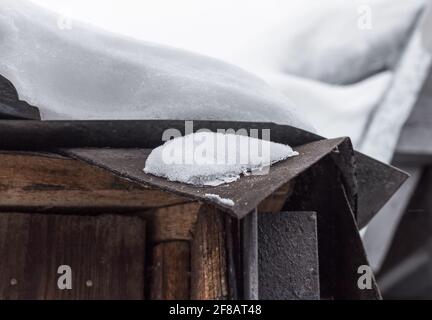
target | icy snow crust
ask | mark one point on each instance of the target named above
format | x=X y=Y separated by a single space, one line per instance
x=212 y=159
x=84 y=73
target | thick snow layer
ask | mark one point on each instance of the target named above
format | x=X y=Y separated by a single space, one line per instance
x=334 y=110
x=327 y=40
x=83 y=73
x=219 y=199
x=345 y=41
x=74 y=72
x=276 y=37
x=211 y=159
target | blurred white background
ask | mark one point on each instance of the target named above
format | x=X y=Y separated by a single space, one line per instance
x=219 y=28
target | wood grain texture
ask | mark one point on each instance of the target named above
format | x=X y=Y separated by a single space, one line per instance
x=29 y=180
x=173 y=223
x=275 y=202
x=170 y=271
x=170 y=232
x=107 y=250
x=188 y=259
x=209 y=276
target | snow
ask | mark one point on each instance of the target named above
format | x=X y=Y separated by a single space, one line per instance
x=211 y=159
x=346 y=41
x=426 y=27
x=332 y=76
x=84 y=73
x=383 y=134
x=217 y=198
x=333 y=110
x=353 y=58
x=314 y=39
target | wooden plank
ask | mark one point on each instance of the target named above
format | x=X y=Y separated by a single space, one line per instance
x=275 y=202
x=209 y=276
x=170 y=233
x=14 y=236
x=173 y=223
x=170 y=271
x=29 y=180
x=288 y=256
x=105 y=253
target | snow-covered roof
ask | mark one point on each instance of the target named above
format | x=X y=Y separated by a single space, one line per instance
x=84 y=73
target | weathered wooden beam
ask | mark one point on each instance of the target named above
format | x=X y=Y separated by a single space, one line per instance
x=170 y=271
x=288 y=256
x=276 y=201
x=170 y=232
x=209 y=276
x=172 y=223
x=189 y=258
x=105 y=253
x=30 y=180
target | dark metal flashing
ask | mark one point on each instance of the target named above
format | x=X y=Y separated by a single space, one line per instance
x=377 y=183
x=340 y=248
x=288 y=256
x=247 y=193
x=145 y=134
